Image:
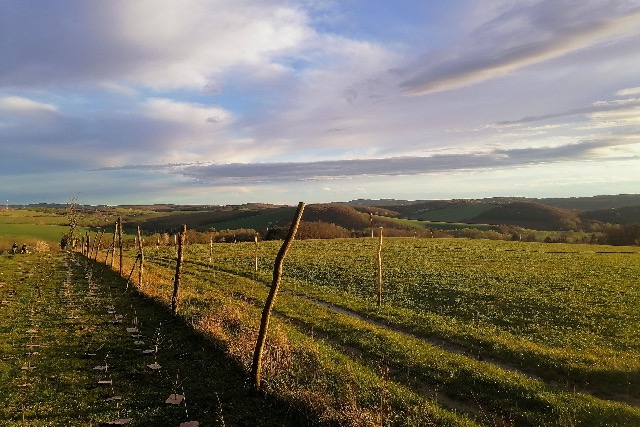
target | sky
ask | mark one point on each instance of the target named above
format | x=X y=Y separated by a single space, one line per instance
x=280 y=101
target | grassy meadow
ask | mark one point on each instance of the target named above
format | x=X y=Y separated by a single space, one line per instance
x=470 y=333
x=523 y=333
x=25 y=226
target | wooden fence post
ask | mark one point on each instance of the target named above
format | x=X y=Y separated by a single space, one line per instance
x=255 y=239
x=112 y=248
x=141 y=256
x=120 y=241
x=256 y=366
x=380 y=269
x=211 y=251
x=176 y=280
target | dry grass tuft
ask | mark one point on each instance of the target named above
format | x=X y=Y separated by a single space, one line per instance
x=41 y=247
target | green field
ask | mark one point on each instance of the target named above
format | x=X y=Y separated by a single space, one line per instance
x=67 y=358
x=440 y=225
x=30 y=217
x=552 y=330
x=256 y=222
x=456 y=213
x=470 y=332
x=29 y=227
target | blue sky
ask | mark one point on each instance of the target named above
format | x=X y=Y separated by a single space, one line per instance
x=225 y=102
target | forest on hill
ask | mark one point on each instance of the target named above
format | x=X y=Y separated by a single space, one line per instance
x=600 y=219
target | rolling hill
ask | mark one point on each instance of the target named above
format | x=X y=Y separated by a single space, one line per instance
x=358 y=216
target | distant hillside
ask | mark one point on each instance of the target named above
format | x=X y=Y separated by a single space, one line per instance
x=551 y=214
x=535 y=216
x=218 y=219
x=625 y=215
x=594 y=203
x=344 y=216
x=540 y=214
x=578 y=203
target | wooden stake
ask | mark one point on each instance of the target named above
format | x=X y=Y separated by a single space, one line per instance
x=176 y=280
x=380 y=269
x=141 y=256
x=120 y=241
x=113 y=246
x=211 y=250
x=256 y=366
x=255 y=239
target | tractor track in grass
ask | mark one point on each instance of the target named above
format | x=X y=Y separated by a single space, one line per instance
x=458 y=349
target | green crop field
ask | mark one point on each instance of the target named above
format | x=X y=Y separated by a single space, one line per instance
x=551 y=329
x=29 y=227
x=30 y=217
x=415 y=223
x=470 y=332
x=255 y=222
x=453 y=213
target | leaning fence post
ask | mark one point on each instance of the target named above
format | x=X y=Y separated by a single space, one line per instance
x=256 y=366
x=176 y=280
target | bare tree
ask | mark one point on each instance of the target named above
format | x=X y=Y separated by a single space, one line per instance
x=74 y=214
x=97 y=243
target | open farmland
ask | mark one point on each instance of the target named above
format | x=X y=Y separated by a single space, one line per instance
x=533 y=334
x=470 y=332
x=29 y=227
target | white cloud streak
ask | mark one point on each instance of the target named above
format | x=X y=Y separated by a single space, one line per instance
x=505 y=56
x=259 y=173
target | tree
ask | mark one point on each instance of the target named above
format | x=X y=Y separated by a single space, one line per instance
x=74 y=214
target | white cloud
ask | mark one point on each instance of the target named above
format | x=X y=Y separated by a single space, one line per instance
x=526 y=45
x=187 y=113
x=18 y=104
x=629 y=91
x=155 y=44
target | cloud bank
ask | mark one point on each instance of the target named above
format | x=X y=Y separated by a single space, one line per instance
x=218 y=93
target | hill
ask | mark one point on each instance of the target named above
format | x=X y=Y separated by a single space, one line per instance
x=625 y=215
x=535 y=216
x=538 y=214
x=358 y=216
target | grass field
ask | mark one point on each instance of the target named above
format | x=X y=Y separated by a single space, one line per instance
x=456 y=213
x=550 y=329
x=68 y=359
x=256 y=222
x=470 y=333
x=441 y=225
x=23 y=226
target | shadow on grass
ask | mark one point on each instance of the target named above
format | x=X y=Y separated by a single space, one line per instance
x=218 y=392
